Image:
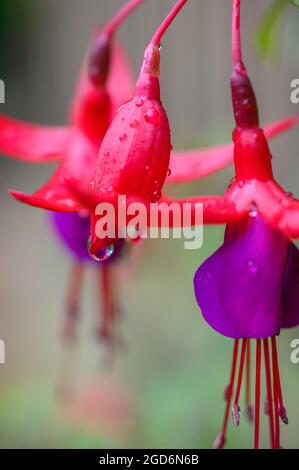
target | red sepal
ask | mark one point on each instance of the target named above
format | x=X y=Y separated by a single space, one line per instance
x=31 y=143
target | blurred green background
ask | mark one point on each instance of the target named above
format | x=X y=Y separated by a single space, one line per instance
x=173 y=372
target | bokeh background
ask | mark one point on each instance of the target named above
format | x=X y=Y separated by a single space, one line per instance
x=166 y=387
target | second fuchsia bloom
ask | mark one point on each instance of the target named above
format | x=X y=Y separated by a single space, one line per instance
x=105 y=83
x=248 y=289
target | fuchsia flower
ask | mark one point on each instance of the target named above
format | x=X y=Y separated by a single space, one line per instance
x=248 y=289
x=105 y=83
x=135 y=152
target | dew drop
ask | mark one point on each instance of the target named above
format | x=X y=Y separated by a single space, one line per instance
x=152 y=116
x=123 y=137
x=157 y=195
x=139 y=102
x=247 y=103
x=241 y=184
x=147 y=168
x=252 y=266
x=122 y=107
x=134 y=124
x=253 y=211
x=231 y=182
x=103 y=254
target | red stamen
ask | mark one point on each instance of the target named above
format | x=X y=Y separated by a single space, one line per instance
x=257 y=394
x=167 y=22
x=276 y=400
x=282 y=409
x=248 y=406
x=120 y=16
x=220 y=440
x=236 y=407
x=269 y=391
x=73 y=302
x=108 y=311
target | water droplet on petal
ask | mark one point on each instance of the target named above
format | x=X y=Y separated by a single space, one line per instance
x=231 y=182
x=247 y=103
x=119 y=110
x=152 y=116
x=253 y=211
x=134 y=124
x=147 y=168
x=252 y=266
x=157 y=195
x=123 y=137
x=102 y=255
x=139 y=102
x=241 y=184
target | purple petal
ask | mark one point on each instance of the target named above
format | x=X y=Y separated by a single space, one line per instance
x=290 y=317
x=240 y=287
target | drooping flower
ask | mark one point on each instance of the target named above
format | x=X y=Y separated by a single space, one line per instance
x=135 y=153
x=248 y=289
x=105 y=83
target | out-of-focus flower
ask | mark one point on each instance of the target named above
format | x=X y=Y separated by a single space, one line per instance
x=135 y=152
x=105 y=83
